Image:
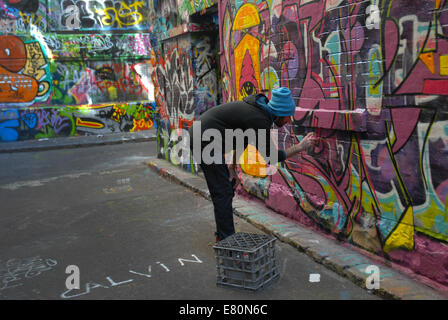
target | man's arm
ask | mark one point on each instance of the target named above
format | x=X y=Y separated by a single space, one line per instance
x=306 y=144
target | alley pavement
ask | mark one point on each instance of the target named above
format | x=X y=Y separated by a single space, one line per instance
x=342 y=258
x=138 y=227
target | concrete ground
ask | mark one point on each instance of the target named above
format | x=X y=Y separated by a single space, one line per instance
x=137 y=227
x=131 y=233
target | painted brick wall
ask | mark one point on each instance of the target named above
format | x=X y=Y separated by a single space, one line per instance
x=74 y=67
x=187 y=85
x=185 y=71
x=371 y=78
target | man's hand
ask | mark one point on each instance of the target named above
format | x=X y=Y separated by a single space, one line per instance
x=307 y=144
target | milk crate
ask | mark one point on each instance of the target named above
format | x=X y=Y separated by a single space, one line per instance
x=246 y=261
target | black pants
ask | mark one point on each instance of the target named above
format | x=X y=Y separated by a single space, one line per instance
x=221 y=192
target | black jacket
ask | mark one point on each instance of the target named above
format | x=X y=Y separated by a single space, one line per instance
x=246 y=114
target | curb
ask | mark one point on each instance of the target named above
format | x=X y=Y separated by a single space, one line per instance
x=72 y=142
x=342 y=258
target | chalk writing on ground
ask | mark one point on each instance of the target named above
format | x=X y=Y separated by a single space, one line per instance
x=89 y=286
x=14 y=272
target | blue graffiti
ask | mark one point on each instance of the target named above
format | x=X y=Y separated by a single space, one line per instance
x=9 y=121
x=30 y=119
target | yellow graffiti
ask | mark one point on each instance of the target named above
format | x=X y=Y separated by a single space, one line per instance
x=444 y=65
x=270 y=79
x=32 y=19
x=252 y=162
x=142 y=124
x=35 y=61
x=34 y=66
x=118 y=112
x=403 y=235
x=246 y=17
x=251 y=44
x=121 y=16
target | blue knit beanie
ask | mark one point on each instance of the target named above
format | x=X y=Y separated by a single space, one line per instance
x=282 y=104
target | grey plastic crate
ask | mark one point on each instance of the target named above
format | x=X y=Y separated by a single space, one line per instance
x=246 y=260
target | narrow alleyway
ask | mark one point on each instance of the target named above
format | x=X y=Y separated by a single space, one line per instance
x=132 y=234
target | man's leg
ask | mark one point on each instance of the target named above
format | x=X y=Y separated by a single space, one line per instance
x=221 y=191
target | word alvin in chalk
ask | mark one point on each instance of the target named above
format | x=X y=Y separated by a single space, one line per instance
x=74 y=289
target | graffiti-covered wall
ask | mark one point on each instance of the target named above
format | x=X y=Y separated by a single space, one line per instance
x=74 y=67
x=371 y=79
x=187 y=85
x=185 y=73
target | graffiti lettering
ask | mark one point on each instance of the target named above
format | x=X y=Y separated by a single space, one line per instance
x=94 y=14
x=76 y=15
x=124 y=16
x=7 y=25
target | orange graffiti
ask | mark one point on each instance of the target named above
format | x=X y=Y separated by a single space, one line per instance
x=16 y=88
x=12 y=53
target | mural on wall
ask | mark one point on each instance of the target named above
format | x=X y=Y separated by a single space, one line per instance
x=186 y=85
x=174 y=94
x=99 y=46
x=188 y=7
x=24 y=72
x=205 y=68
x=37 y=123
x=370 y=77
x=18 y=16
x=175 y=80
x=98 y=15
x=60 y=84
